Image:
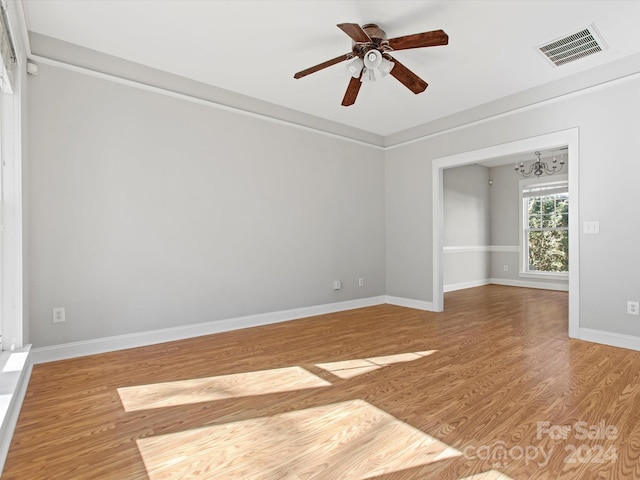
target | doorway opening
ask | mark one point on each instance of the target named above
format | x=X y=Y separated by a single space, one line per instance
x=568 y=139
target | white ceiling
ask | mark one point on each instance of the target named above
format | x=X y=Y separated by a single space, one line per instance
x=255 y=47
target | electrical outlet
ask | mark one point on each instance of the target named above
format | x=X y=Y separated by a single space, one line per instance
x=592 y=228
x=58 y=315
x=361 y=282
x=633 y=308
x=505 y=268
x=337 y=284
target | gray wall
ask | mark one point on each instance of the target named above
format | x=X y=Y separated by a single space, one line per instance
x=408 y=217
x=146 y=211
x=466 y=207
x=505 y=200
x=607 y=118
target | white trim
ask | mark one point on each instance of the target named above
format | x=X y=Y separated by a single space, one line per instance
x=11 y=233
x=464 y=285
x=563 y=287
x=482 y=248
x=21 y=24
x=569 y=138
x=545 y=275
x=410 y=303
x=15 y=366
x=437 y=205
x=11 y=254
x=504 y=248
x=573 y=164
x=528 y=105
x=141 y=339
x=619 y=340
x=195 y=99
x=15 y=384
x=467 y=249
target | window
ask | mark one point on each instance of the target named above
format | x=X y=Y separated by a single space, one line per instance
x=545 y=232
x=11 y=79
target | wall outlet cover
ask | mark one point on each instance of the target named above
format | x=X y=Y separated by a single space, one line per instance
x=592 y=228
x=58 y=315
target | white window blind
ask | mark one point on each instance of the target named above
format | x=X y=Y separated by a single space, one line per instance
x=7 y=53
x=545 y=189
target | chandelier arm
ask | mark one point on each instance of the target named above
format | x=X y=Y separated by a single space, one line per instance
x=539 y=168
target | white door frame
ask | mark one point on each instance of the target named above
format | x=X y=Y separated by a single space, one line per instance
x=569 y=138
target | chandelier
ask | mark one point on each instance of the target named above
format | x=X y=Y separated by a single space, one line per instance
x=539 y=168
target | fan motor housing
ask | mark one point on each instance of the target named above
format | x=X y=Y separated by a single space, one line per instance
x=378 y=40
x=374 y=32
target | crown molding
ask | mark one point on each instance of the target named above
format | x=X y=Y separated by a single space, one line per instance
x=74 y=57
x=67 y=55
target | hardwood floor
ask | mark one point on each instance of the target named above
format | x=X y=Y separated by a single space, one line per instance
x=490 y=389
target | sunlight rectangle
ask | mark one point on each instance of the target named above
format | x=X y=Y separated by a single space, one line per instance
x=196 y=390
x=346 y=369
x=400 y=357
x=347 y=440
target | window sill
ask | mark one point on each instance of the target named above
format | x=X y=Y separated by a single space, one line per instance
x=15 y=370
x=545 y=275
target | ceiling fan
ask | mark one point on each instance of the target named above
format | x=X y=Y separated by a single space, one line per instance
x=371 y=59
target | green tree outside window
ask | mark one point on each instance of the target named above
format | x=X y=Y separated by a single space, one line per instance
x=548 y=234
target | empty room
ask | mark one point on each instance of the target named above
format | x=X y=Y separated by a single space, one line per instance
x=317 y=239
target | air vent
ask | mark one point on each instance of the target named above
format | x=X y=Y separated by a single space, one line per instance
x=573 y=47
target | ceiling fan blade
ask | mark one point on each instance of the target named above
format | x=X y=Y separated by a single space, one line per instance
x=355 y=31
x=322 y=65
x=406 y=76
x=418 y=40
x=352 y=92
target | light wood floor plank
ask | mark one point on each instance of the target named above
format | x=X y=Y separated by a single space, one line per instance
x=382 y=392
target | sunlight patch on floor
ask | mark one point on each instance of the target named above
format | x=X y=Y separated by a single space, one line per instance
x=352 y=368
x=196 y=390
x=347 y=440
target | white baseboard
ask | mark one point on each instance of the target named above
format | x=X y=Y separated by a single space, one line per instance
x=410 y=303
x=461 y=286
x=609 y=338
x=528 y=284
x=508 y=282
x=141 y=339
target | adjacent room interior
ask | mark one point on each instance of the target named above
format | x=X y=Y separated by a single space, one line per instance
x=219 y=261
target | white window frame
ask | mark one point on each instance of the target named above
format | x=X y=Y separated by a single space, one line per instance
x=523 y=227
x=11 y=241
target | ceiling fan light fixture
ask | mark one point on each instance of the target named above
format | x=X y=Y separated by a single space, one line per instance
x=369 y=74
x=372 y=59
x=355 y=67
x=385 y=67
